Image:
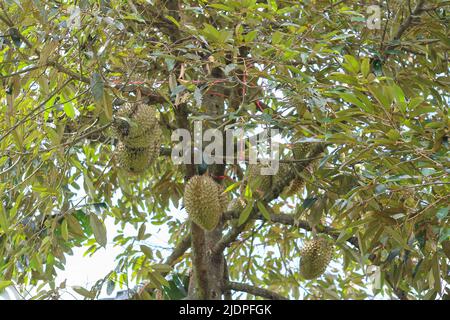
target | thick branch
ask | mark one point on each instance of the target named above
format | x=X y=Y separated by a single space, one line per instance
x=290 y=220
x=228 y=238
x=179 y=250
x=255 y=291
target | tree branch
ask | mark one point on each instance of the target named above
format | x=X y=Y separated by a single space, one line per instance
x=228 y=238
x=179 y=250
x=271 y=195
x=290 y=220
x=417 y=11
x=255 y=291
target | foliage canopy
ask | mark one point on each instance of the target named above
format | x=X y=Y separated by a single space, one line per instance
x=377 y=99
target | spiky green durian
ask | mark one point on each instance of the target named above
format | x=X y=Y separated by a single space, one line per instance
x=278 y=180
x=134 y=124
x=202 y=201
x=301 y=150
x=155 y=141
x=315 y=257
x=295 y=186
x=135 y=160
x=223 y=198
x=237 y=204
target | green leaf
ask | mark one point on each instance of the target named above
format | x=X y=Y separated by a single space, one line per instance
x=4 y=223
x=99 y=229
x=85 y=293
x=245 y=214
x=344 y=78
x=398 y=238
x=74 y=226
x=162 y=267
x=442 y=213
x=232 y=187
x=350 y=98
x=4 y=284
x=263 y=210
x=110 y=287
x=173 y=20
x=277 y=37
x=365 y=67
x=69 y=110
x=147 y=251
x=249 y=37
x=351 y=64
x=141 y=232
x=309 y=202
x=157 y=279
x=436 y=273
x=97 y=87
x=64 y=230
x=248 y=192
x=221 y=7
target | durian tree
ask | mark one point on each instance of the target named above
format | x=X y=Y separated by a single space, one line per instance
x=359 y=209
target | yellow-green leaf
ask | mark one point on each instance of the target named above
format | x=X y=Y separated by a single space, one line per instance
x=99 y=229
x=245 y=213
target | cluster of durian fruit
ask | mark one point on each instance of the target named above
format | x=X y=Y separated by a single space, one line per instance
x=137 y=128
x=205 y=202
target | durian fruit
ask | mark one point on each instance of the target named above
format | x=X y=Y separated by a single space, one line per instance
x=315 y=257
x=154 y=141
x=295 y=186
x=301 y=150
x=258 y=182
x=135 y=160
x=237 y=204
x=135 y=124
x=223 y=198
x=279 y=177
x=202 y=201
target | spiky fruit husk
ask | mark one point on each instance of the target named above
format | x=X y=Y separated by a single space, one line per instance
x=315 y=257
x=237 y=204
x=223 y=198
x=278 y=180
x=258 y=182
x=301 y=150
x=135 y=160
x=202 y=203
x=295 y=187
x=135 y=124
x=155 y=141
